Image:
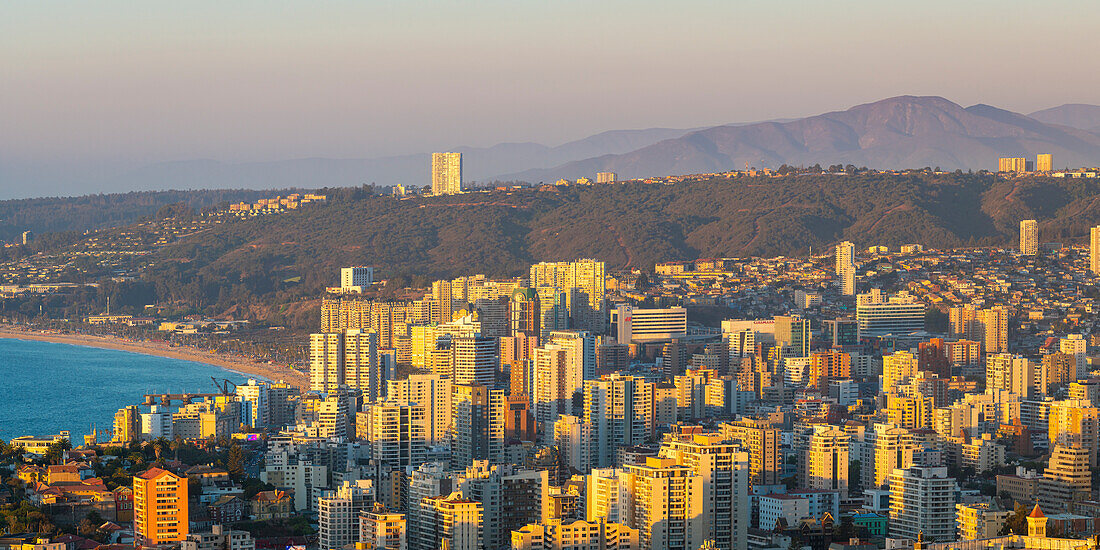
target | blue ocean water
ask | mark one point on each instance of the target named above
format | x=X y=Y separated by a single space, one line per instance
x=47 y=387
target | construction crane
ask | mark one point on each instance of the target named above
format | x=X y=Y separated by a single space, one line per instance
x=223 y=385
x=166 y=399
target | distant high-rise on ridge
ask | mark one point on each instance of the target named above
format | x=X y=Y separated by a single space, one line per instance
x=1012 y=164
x=1044 y=162
x=1029 y=238
x=446 y=173
x=1094 y=250
x=846 y=267
x=606 y=177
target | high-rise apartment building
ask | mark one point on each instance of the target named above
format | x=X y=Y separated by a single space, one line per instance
x=583 y=282
x=897 y=367
x=667 y=499
x=827 y=461
x=443 y=298
x=356 y=279
x=826 y=366
x=763 y=443
x=878 y=314
x=1029 y=238
x=922 y=502
x=607 y=495
x=1066 y=480
x=1094 y=250
x=912 y=413
x=326 y=361
x=977 y=521
x=994 y=322
x=523 y=312
x=553 y=395
x=846 y=267
x=988 y=326
x=620 y=410
x=1075 y=423
x=576 y=534
x=478 y=420
x=890 y=447
x=338 y=513
x=361 y=366
x=256 y=403
x=575 y=440
x=580 y=348
x=792 y=333
x=446 y=173
x=428 y=480
x=382 y=530
x=127 y=425
x=474 y=360
x=845 y=255
x=434 y=393
x=160 y=508
x=1044 y=162
x=1012 y=164
x=722 y=466
x=605 y=177
x=396 y=432
x=1076 y=346
x=1013 y=373
x=509 y=497
x=452 y=522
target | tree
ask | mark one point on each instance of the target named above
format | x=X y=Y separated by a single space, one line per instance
x=235 y=462
x=1016 y=523
x=56 y=451
x=159 y=446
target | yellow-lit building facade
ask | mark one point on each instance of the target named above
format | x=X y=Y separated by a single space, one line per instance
x=160 y=507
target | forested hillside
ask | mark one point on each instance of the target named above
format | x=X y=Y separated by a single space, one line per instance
x=61 y=214
x=502 y=233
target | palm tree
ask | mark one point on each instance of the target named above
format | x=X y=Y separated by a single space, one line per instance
x=159 y=445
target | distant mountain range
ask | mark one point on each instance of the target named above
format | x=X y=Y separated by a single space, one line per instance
x=1074 y=115
x=479 y=164
x=900 y=132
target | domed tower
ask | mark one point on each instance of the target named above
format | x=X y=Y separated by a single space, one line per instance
x=1036 y=523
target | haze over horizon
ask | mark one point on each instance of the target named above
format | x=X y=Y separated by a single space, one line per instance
x=89 y=93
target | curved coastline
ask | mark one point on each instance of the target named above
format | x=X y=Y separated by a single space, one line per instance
x=231 y=363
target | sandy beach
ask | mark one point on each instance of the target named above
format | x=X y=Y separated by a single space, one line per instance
x=242 y=365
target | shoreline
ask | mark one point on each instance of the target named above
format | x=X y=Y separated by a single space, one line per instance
x=235 y=364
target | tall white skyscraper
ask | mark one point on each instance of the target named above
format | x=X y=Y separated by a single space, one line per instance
x=1077 y=346
x=356 y=278
x=326 y=361
x=446 y=173
x=922 y=502
x=474 y=360
x=432 y=391
x=1094 y=250
x=553 y=392
x=1029 y=238
x=845 y=255
x=846 y=267
x=361 y=369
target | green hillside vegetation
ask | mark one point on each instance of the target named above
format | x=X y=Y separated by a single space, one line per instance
x=90 y=212
x=273 y=268
x=634 y=225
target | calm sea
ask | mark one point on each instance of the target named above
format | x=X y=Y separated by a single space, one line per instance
x=47 y=387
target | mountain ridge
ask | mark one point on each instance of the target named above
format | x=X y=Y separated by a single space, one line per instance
x=898 y=132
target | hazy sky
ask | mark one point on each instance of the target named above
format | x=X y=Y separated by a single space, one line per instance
x=136 y=82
